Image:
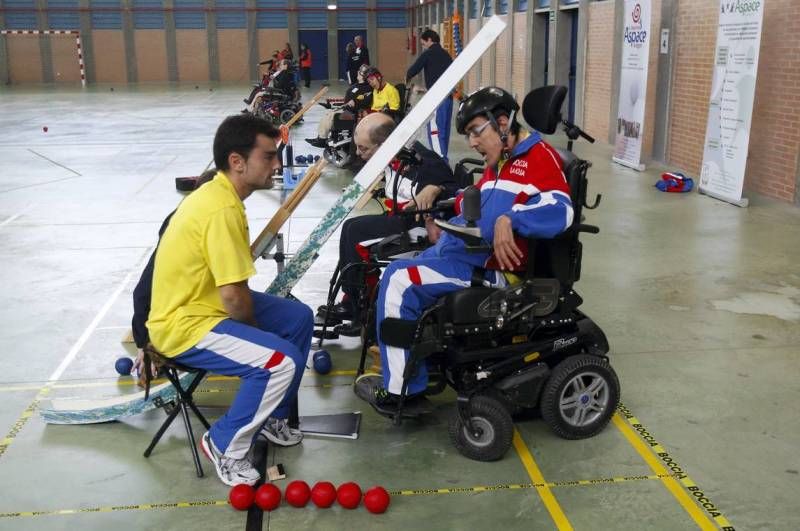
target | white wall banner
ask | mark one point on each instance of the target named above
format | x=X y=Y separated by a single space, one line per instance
x=732 y=92
x=633 y=84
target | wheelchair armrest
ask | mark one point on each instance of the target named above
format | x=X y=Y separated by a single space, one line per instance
x=445 y=204
x=470 y=235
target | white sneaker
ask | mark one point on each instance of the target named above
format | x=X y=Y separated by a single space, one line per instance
x=230 y=471
x=278 y=431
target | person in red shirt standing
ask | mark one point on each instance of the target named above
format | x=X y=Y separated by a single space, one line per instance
x=305 y=64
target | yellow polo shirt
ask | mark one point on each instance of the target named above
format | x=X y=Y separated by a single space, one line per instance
x=205 y=246
x=387 y=96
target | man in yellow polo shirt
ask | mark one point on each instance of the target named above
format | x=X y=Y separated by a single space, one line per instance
x=204 y=315
x=384 y=95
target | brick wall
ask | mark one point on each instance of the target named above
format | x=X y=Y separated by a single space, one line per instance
x=501 y=58
x=487 y=62
x=695 y=39
x=775 y=133
x=520 y=62
x=472 y=78
x=597 y=80
x=772 y=166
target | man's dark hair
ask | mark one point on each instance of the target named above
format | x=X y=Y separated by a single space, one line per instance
x=379 y=134
x=430 y=35
x=237 y=134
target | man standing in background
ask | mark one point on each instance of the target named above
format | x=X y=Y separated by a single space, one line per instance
x=434 y=61
x=361 y=56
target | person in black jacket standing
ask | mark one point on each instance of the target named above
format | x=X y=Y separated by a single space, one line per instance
x=361 y=53
x=434 y=61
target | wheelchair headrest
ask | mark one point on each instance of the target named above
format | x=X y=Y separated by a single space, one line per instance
x=542 y=108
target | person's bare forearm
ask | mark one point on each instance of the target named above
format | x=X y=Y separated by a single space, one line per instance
x=238 y=302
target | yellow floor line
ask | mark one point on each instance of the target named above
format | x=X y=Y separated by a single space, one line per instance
x=669 y=482
x=535 y=474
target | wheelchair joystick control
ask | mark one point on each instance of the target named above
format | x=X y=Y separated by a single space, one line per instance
x=471 y=205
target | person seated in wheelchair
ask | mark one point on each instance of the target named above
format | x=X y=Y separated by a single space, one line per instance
x=523 y=194
x=409 y=186
x=282 y=80
x=358 y=97
x=385 y=96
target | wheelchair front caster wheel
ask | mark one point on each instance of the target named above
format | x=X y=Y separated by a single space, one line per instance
x=580 y=397
x=286 y=115
x=493 y=430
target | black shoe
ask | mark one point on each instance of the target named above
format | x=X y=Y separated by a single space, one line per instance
x=369 y=388
x=352 y=329
x=247 y=101
x=340 y=312
x=317 y=142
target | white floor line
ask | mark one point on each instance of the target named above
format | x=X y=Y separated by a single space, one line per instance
x=15 y=216
x=93 y=325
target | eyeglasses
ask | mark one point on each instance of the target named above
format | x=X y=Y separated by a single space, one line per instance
x=475 y=132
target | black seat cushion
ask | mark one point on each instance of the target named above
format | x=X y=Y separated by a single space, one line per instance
x=461 y=307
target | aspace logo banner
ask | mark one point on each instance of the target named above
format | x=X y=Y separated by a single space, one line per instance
x=733 y=89
x=633 y=84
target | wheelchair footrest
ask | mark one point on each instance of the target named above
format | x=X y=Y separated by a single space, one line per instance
x=329 y=334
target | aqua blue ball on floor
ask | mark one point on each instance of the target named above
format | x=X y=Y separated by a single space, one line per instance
x=124 y=366
x=322 y=362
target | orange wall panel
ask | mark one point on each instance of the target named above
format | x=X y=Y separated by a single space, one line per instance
x=233 y=54
x=501 y=56
x=151 y=55
x=519 y=56
x=393 y=57
x=109 y=56
x=65 y=59
x=192 y=51
x=24 y=60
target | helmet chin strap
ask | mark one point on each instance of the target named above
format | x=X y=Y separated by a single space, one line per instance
x=503 y=133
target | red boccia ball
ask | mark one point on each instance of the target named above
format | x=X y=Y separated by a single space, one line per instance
x=376 y=500
x=348 y=495
x=268 y=497
x=323 y=494
x=44 y=129
x=241 y=497
x=298 y=493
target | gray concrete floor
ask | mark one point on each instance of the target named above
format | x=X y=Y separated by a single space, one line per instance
x=700 y=301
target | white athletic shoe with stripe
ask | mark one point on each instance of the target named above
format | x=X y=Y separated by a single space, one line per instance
x=279 y=432
x=230 y=471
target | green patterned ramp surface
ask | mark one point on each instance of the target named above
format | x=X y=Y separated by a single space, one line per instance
x=94 y=411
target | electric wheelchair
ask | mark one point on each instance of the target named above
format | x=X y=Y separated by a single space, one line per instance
x=340 y=148
x=520 y=347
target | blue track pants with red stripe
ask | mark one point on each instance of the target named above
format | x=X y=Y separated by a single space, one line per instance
x=270 y=361
x=407 y=288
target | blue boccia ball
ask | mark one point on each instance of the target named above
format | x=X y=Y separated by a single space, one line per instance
x=124 y=366
x=322 y=362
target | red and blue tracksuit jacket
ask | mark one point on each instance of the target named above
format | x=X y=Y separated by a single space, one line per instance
x=530 y=188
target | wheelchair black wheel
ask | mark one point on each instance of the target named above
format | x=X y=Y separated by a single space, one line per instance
x=286 y=115
x=580 y=397
x=494 y=430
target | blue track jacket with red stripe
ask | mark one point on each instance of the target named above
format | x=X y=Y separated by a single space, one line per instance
x=530 y=189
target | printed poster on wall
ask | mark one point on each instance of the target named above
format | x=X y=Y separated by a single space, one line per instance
x=633 y=84
x=730 y=110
